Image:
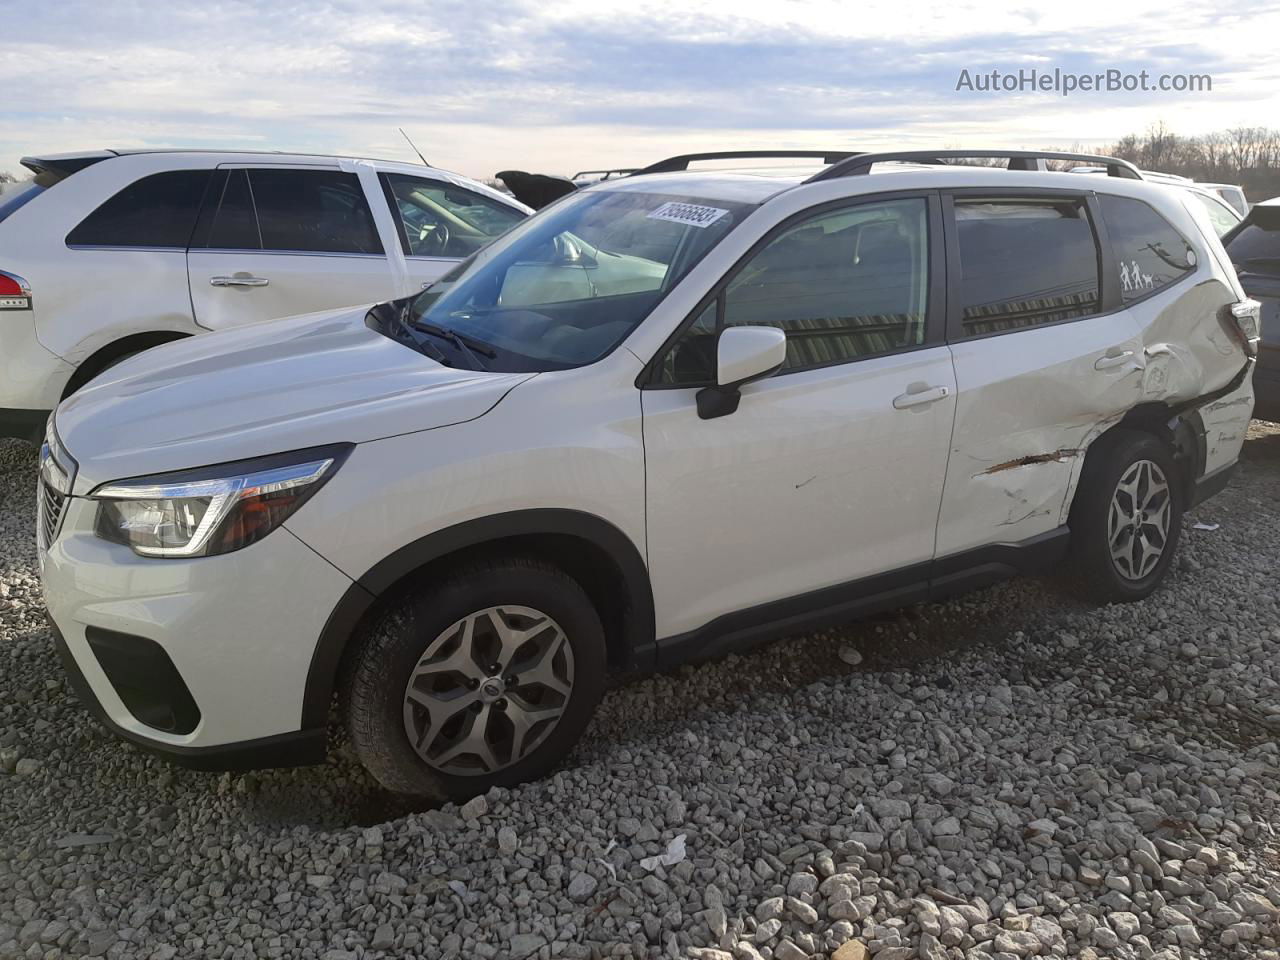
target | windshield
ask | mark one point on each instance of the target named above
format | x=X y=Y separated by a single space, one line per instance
x=1223 y=217
x=568 y=285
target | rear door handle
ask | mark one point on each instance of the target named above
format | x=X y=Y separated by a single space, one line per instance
x=238 y=281
x=1113 y=360
x=927 y=395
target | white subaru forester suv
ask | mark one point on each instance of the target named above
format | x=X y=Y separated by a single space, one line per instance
x=670 y=414
x=108 y=253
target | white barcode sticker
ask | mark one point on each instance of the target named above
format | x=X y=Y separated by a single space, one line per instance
x=690 y=214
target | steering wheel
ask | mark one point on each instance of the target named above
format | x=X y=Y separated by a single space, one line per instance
x=434 y=238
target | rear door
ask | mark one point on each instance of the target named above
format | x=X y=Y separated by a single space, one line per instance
x=1044 y=355
x=277 y=240
x=440 y=223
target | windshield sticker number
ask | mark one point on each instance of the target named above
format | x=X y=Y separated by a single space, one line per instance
x=690 y=214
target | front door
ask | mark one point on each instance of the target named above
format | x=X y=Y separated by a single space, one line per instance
x=830 y=471
x=278 y=241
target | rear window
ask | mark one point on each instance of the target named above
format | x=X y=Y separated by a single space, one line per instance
x=1150 y=253
x=156 y=211
x=1024 y=263
x=16 y=194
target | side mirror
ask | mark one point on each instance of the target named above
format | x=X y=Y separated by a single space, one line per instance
x=743 y=354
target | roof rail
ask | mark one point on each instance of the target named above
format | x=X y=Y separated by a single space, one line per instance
x=861 y=163
x=672 y=164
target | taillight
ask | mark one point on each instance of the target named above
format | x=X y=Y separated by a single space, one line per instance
x=15 y=293
x=1247 y=315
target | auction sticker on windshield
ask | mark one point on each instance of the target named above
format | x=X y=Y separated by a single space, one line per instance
x=690 y=214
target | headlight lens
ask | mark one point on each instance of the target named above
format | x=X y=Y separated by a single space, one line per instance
x=215 y=510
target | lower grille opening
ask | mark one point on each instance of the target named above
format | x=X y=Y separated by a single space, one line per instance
x=145 y=679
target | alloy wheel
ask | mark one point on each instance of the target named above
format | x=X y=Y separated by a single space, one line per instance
x=1138 y=521
x=488 y=690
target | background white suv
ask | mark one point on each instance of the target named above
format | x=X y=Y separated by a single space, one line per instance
x=105 y=254
x=673 y=413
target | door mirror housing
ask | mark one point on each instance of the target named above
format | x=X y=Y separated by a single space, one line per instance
x=743 y=354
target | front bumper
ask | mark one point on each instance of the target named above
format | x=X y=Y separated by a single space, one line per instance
x=238 y=630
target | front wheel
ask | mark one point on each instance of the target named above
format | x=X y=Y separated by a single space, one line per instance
x=1127 y=516
x=486 y=679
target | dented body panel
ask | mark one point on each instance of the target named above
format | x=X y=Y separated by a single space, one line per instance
x=1031 y=404
x=1023 y=423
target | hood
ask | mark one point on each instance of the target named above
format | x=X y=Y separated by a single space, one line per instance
x=261 y=389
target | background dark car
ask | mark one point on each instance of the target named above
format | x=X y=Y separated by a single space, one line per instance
x=1254 y=247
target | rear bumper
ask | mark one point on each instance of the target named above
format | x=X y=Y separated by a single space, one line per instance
x=1212 y=484
x=31 y=378
x=23 y=424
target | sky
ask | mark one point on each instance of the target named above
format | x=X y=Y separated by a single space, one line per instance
x=558 y=87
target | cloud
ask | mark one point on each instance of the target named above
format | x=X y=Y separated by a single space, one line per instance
x=566 y=84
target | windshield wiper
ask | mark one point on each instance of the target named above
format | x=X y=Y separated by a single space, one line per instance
x=430 y=349
x=468 y=345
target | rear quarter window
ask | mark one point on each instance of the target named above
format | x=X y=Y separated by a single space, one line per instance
x=1150 y=253
x=156 y=211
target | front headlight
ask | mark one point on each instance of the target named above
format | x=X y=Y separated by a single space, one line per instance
x=199 y=513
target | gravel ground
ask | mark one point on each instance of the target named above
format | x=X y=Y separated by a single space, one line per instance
x=1009 y=774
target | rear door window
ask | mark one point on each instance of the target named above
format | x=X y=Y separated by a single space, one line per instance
x=1150 y=253
x=313 y=211
x=439 y=219
x=1024 y=263
x=156 y=211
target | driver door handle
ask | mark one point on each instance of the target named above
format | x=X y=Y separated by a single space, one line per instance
x=238 y=281
x=1113 y=360
x=927 y=395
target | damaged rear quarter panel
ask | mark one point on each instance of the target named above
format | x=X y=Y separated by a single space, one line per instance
x=1189 y=352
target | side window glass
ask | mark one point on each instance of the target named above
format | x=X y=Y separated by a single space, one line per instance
x=1024 y=263
x=235 y=225
x=693 y=358
x=842 y=285
x=1150 y=253
x=156 y=211
x=320 y=211
x=442 y=220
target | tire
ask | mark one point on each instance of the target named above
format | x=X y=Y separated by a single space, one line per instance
x=1102 y=517
x=462 y=714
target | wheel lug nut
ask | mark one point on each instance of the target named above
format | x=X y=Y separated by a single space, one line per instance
x=474 y=684
x=500 y=704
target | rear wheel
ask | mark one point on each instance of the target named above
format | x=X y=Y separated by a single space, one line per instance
x=487 y=679
x=1127 y=516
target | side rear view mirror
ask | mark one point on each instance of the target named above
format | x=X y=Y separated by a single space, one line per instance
x=743 y=354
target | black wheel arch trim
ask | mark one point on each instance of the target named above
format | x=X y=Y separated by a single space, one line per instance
x=364 y=592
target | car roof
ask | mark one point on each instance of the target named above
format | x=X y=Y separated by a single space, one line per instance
x=756 y=186
x=65 y=164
